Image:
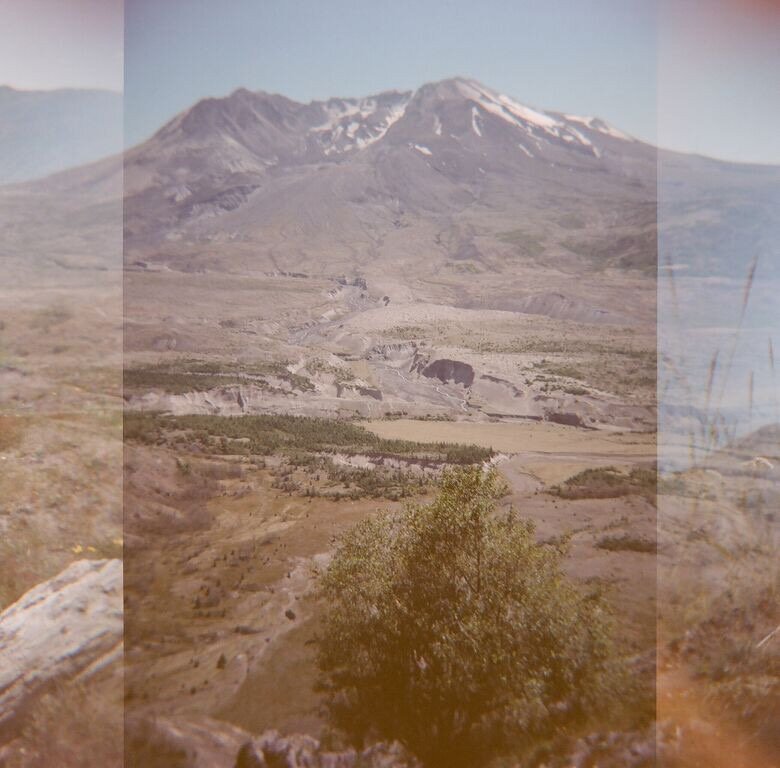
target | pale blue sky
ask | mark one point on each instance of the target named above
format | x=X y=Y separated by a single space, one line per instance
x=695 y=75
x=586 y=56
x=47 y=44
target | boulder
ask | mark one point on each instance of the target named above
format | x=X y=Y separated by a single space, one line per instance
x=567 y=419
x=202 y=742
x=175 y=742
x=450 y=371
x=66 y=629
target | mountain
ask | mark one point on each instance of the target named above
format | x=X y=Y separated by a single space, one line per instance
x=254 y=132
x=452 y=192
x=447 y=230
x=563 y=187
x=463 y=188
x=42 y=132
x=445 y=147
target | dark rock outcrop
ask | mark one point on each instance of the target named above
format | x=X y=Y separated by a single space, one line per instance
x=567 y=419
x=450 y=371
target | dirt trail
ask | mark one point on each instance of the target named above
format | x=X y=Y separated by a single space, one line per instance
x=705 y=737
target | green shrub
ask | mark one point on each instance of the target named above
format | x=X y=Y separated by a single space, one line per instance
x=609 y=483
x=269 y=434
x=142 y=427
x=198 y=376
x=628 y=543
x=565 y=371
x=450 y=629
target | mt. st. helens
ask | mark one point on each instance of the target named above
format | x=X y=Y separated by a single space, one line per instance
x=407 y=250
x=273 y=130
x=254 y=167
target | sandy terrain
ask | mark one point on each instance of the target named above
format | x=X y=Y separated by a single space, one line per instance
x=223 y=587
x=60 y=429
x=534 y=438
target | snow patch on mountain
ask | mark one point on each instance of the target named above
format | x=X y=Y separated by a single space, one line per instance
x=356 y=123
x=580 y=137
x=475 y=121
x=337 y=110
x=506 y=108
x=596 y=124
x=525 y=118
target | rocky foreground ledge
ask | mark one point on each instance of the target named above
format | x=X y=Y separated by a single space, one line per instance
x=66 y=629
x=206 y=743
x=69 y=629
x=202 y=742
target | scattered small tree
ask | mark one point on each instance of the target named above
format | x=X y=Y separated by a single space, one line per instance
x=450 y=629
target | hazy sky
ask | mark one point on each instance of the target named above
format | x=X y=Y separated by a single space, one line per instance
x=695 y=75
x=61 y=44
x=576 y=55
x=718 y=74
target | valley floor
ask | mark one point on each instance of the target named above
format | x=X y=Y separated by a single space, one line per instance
x=221 y=601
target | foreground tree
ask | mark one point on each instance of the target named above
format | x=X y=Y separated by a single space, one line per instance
x=450 y=629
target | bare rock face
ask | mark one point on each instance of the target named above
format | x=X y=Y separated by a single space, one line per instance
x=68 y=628
x=567 y=419
x=450 y=370
x=171 y=742
x=202 y=742
x=298 y=751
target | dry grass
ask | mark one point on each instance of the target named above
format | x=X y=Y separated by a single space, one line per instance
x=60 y=495
x=720 y=606
x=609 y=483
x=12 y=429
x=24 y=562
x=290 y=435
x=73 y=727
x=627 y=543
x=732 y=654
x=541 y=437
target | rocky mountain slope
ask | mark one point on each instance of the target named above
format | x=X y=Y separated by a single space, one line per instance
x=262 y=228
x=453 y=171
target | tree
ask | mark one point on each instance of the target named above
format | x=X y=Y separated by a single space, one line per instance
x=450 y=629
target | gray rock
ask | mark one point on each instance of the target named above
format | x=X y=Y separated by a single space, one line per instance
x=67 y=628
x=271 y=750
x=175 y=742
